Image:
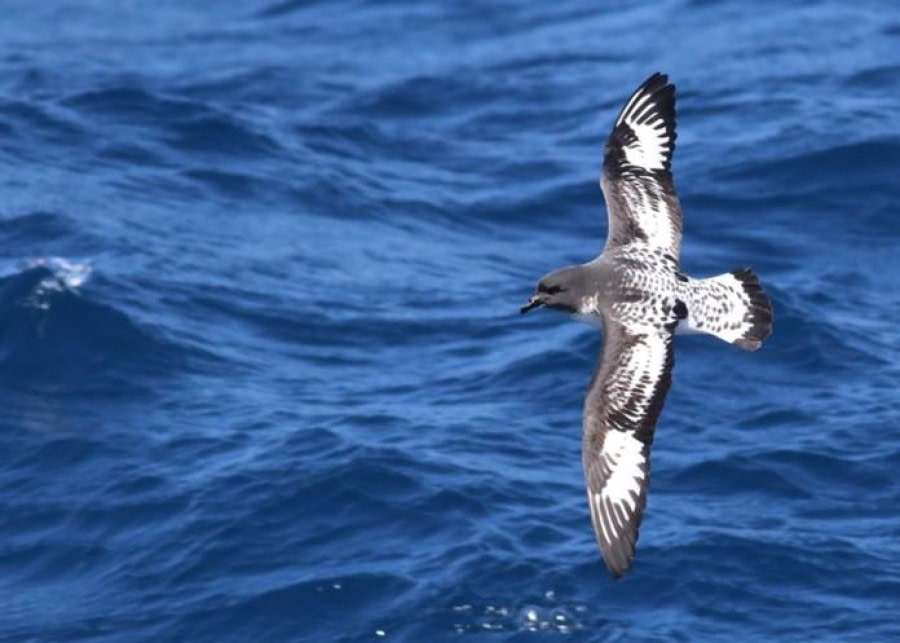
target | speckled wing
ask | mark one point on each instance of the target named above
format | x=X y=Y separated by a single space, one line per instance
x=637 y=179
x=622 y=405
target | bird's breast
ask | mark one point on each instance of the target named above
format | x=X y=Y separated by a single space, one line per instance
x=589 y=311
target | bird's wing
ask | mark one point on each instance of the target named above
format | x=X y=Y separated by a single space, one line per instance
x=637 y=177
x=622 y=405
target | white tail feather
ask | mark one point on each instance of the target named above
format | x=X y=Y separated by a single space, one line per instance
x=732 y=307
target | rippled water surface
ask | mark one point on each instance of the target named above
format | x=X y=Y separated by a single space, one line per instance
x=262 y=375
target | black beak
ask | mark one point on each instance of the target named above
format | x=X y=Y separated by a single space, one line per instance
x=536 y=301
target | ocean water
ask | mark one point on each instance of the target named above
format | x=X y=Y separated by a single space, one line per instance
x=262 y=374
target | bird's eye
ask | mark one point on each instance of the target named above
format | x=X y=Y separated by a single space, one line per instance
x=552 y=290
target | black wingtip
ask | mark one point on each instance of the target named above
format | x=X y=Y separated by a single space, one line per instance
x=619 y=565
x=656 y=79
x=652 y=102
x=656 y=82
x=759 y=313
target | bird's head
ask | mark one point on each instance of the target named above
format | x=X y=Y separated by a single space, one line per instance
x=560 y=289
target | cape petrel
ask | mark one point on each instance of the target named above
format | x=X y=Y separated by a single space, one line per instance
x=639 y=295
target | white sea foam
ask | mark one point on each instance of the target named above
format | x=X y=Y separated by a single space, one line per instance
x=65 y=275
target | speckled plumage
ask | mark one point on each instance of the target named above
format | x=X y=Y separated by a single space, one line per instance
x=638 y=294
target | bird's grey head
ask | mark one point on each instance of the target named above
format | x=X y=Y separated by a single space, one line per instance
x=561 y=289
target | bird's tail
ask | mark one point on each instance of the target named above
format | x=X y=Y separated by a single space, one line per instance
x=733 y=307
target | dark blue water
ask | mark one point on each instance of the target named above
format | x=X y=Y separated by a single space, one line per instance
x=262 y=375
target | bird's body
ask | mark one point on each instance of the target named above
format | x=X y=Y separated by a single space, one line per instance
x=636 y=291
x=633 y=286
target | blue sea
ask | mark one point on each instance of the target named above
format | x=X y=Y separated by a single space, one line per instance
x=262 y=372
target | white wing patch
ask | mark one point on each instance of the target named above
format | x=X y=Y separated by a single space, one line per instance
x=653 y=142
x=653 y=149
x=613 y=508
x=623 y=454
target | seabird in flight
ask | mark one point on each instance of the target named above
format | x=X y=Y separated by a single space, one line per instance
x=637 y=292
